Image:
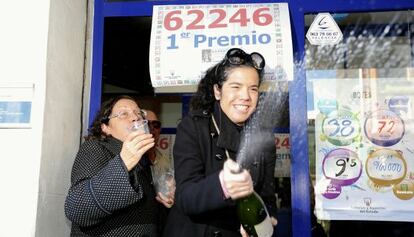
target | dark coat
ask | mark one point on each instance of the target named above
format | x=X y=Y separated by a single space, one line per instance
x=200 y=207
x=107 y=200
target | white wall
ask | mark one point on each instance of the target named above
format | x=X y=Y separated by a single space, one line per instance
x=63 y=107
x=42 y=43
x=23 y=45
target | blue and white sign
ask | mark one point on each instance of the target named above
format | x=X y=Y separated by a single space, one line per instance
x=15 y=112
x=16 y=104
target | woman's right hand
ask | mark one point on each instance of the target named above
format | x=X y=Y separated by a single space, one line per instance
x=134 y=147
x=237 y=184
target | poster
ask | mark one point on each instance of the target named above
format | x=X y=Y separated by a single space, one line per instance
x=165 y=145
x=364 y=150
x=282 y=165
x=188 y=39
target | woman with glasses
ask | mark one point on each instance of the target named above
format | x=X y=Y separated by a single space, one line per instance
x=207 y=141
x=112 y=192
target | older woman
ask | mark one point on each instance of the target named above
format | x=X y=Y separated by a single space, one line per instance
x=112 y=192
x=207 y=182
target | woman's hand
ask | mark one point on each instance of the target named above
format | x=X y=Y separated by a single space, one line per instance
x=244 y=233
x=273 y=220
x=134 y=147
x=168 y=201
x=237 y=183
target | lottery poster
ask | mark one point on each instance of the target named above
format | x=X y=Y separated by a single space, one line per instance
x=364 y=150
x=282 y=165
x=186 y=40
x=165 y=145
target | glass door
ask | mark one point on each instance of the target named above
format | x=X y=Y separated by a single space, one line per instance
x=360 y=95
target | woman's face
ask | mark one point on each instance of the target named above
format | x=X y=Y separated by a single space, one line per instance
x=124 y=112
x=239 y=94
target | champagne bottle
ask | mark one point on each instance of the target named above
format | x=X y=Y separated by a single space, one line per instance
x=253 y=216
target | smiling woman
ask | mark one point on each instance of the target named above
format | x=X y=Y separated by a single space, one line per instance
x=207 y=184
x=238 y=95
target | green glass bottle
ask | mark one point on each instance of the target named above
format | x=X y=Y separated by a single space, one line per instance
x=254 y=217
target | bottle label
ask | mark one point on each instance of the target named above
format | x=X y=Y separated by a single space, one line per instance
x=264 y=228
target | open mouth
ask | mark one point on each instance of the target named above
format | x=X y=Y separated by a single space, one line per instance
x=241 y=108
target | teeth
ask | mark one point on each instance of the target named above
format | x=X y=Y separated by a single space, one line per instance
x=241 y=107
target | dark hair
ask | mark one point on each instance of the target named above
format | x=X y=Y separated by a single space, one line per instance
x=204 y=97
x=102 y=117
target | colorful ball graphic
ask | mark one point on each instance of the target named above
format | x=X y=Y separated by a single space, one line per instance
x=386 y=167
x=384 y=128
x=342 y=166
x=341 y=127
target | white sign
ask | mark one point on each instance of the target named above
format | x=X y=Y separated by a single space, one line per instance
x=324 y=30
x=188 y=39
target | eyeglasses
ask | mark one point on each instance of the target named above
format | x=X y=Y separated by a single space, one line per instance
x=237 y=56
x=127 y=113
x=154 y=124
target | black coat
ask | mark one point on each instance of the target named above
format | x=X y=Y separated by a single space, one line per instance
x=107 y=200
x=200 y=207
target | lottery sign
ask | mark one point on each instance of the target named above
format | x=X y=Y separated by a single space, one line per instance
x=188 y=39
x=165 y=145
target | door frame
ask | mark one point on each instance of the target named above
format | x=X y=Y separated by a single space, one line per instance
x=300 y=178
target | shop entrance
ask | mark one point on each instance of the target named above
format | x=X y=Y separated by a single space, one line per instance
x=377 y=45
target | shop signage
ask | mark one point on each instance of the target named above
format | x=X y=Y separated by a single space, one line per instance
x=324 y=31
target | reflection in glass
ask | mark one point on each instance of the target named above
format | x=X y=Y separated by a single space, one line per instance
x=360 y=107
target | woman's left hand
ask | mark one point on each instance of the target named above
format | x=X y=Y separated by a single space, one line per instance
x=273 y=220
x=244 y=233
x=168 y=202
